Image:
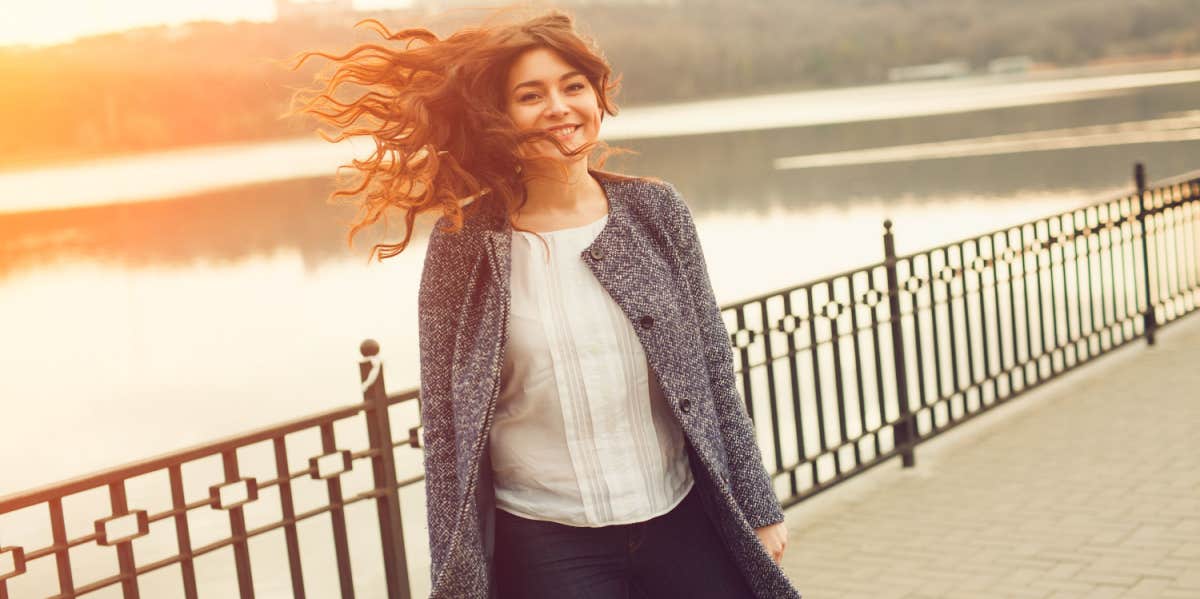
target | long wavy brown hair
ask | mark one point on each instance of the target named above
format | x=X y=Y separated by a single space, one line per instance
x=436 y=111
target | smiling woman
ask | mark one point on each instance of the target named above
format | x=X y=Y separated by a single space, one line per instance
x=582 y=433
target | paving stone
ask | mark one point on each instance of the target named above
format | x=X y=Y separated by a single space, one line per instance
x=1027 y=592
x=1188 y=526
x=1103 y=592
x=1063 y=585
x=1084 y=487
x=1177 y=594
x=1063 y=571
x=1107 y=578
x=1188 y=550
x=1148 y=587
x=1190 y=579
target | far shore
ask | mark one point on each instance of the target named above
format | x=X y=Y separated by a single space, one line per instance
x=69 y=157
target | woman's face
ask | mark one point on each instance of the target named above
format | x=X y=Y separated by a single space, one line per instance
x=544 y=92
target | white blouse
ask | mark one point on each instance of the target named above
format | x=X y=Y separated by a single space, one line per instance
x=581 y=434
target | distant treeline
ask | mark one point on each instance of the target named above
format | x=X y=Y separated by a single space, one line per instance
x=212 y=82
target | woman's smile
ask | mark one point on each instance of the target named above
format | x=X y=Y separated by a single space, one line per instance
x=563 y=131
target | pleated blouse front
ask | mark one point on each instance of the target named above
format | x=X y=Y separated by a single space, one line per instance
x=581 y=434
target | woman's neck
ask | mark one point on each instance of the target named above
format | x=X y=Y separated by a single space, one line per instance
x=550 y=194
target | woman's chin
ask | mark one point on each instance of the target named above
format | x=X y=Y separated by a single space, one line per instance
x=558 y=156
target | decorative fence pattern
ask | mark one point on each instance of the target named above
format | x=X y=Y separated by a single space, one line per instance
x=838 y=374
x=232 y=495
x=843 y=373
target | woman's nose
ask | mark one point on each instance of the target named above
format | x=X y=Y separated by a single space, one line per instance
x=556 y=104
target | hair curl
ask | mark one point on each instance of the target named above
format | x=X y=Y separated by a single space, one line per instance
x=436 y=111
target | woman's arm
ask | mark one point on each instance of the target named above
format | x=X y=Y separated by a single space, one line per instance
x=440 y=285
x=749 y=480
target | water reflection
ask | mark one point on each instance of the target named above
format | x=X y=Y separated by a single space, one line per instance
x=1185 y=127
x=716 y=172
x=214 y=227
x=259 y=220
x=737 y=169
x=890 y=101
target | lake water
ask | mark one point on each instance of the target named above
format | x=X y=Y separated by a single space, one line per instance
x=148 y=304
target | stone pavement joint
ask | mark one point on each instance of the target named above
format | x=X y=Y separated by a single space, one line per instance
x=1086 y=487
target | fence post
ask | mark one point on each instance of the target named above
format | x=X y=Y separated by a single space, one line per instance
x=904 y=429
x=1149 y=320
x=383 y=465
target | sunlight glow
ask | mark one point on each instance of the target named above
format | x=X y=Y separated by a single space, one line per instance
x=51 y=22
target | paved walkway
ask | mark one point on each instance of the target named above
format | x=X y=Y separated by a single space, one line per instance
x=1088 y=487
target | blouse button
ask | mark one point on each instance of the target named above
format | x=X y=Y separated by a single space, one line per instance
x=647 y=322
x=596 y=253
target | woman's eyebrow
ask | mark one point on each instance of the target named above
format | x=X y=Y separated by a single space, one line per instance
x=536 y=83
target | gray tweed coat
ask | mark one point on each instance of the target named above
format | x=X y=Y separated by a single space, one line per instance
x=649 y=260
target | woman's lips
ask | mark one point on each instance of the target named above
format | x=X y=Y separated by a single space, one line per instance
x=563 y=132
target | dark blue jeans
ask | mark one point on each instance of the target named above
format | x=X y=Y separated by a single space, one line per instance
x=678 y=554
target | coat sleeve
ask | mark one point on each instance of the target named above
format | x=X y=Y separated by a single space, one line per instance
x=750 y=482
x=439 y=286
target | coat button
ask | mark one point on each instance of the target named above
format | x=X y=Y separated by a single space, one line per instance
x=596 y=253
x=685 y=404
x=646 y=322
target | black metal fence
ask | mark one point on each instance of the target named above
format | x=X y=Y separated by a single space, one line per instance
x=839 y=375
x=232 y=494
x=846 y=372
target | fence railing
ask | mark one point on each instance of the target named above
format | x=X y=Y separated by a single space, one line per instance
x=846 y=372
x=839 y=375
x=232 y=494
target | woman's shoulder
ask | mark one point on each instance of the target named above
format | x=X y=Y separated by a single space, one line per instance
x=651 y=195
x=449 y=254
x=445 y=236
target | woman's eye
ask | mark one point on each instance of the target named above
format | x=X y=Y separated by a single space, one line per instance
x=574 y=87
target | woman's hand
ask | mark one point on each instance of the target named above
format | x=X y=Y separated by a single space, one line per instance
x=773 y=539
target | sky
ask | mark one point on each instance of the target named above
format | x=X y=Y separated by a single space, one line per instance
x=47 y=22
